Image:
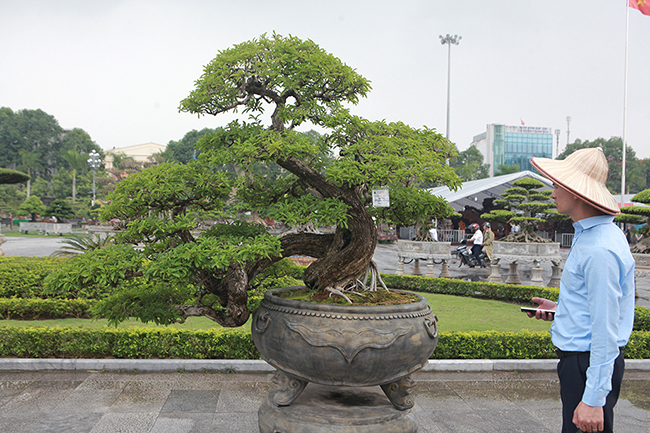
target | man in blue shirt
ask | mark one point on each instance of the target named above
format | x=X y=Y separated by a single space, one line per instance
x=594 y=314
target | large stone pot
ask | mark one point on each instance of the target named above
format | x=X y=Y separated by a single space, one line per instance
x=430 y=251
x=343 y=345
x=514 y=252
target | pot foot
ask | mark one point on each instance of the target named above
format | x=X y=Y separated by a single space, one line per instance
x=399 y=393
x=287 y=388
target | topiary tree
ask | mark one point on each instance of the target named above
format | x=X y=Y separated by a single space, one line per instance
x=59 y=209
x=638 y=215
x=279 y=83
x=527 y=206
x=32 y=206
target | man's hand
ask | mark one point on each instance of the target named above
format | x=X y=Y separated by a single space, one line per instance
x=589 y=418
x=544 y=304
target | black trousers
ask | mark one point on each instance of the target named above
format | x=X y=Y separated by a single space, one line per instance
x=572 y=372
x=476 y=249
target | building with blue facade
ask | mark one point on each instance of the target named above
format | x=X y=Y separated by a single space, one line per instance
x=511 y=145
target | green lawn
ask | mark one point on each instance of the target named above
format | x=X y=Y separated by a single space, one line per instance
x=454 y=313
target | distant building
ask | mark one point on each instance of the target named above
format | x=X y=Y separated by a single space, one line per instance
x=139 y=152
x=511 y=145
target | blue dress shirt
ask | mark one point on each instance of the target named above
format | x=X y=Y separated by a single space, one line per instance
x=595 y=309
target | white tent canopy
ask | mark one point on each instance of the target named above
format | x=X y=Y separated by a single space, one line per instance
x=474 y=192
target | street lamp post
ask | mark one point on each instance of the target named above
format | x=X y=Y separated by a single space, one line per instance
x=449 y=40
x=93 y=162
x=557 y=143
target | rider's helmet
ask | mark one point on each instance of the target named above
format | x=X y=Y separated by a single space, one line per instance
x=486 y=224
x=473 y=227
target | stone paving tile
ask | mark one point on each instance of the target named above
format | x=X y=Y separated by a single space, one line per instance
x=458 y=422
x=236 y=422
x=68 y=423
x=125 y=423
x=88 y=401
x=39 y=397
x=513 y=420
x=142 y=397
x=184 y=422
x=192 y=400
x=243 y=396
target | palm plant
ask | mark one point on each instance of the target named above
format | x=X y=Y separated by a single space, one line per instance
x=80 y=244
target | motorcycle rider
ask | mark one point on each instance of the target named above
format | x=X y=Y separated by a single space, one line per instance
x=477 y=239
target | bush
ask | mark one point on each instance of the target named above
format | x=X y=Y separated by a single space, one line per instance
x=37 y=309
x=146 y=343
x=22 y=277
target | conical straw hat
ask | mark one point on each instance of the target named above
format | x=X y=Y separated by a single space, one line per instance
x=583 y=173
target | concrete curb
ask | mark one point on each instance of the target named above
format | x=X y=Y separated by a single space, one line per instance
x=258 y=366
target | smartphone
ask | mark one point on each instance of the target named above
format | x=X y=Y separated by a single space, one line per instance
x=534 y=310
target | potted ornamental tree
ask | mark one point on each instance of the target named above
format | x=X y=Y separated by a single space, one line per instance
x=526 y=206
x=278 y=84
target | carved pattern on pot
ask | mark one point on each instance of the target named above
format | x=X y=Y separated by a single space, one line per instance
x=344 y=316
x=348 y=341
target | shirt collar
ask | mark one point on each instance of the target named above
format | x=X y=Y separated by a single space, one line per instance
x=588 y=223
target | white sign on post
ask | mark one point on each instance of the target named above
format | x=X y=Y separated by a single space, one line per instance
x=380 y=198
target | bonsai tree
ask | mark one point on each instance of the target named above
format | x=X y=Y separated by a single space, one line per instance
x=59 y=209
x=638 y=215
x=280 y=83
x=527 y=206
x=33 y=206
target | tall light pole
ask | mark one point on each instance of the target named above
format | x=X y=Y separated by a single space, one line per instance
x=449 y=40
x=557 y=143
x=568 y=121
x=93 y=162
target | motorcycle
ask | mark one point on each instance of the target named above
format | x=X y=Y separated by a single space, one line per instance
x=465 y=256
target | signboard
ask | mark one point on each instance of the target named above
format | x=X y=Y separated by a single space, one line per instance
x=380 y=198
x=529 y=129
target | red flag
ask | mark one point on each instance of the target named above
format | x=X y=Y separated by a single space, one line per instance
x=642 y=6
x=522 y=122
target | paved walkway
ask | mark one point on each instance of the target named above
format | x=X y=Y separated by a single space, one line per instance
x=95 y=401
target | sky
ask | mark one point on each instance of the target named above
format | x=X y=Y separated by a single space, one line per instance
x=119 y=69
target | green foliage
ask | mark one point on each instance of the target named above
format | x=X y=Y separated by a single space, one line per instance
x=8 y=176
x=94 y=274
x=32 y=206
x=22 y=277
x=60 y=209
x=78 y=244
x=40 y=309
x=469 y=165
x=506 y=169
x=147 y=343
x=143 y=343
x=276 y=67
x=526 y=206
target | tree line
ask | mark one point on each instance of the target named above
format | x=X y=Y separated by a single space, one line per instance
x=33 y=142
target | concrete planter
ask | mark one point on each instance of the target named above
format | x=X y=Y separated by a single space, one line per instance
x=429 y=251
x=341 y=345
x=531 y=251
x=514 y=252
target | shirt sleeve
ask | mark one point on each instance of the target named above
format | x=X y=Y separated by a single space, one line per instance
x=602 y=270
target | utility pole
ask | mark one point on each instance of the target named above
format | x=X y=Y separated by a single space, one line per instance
x=557 y=143
x=568 y=120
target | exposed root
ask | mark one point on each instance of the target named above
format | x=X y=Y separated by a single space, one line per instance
x=334 y=291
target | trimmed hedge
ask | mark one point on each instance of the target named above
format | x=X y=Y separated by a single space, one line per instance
x=22 y=277
x=141 y=343
x=145 y=343
x=482 y=290
x=38 y=309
